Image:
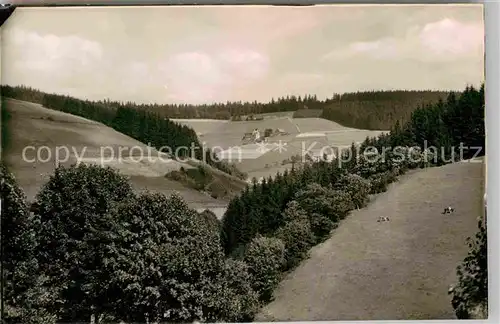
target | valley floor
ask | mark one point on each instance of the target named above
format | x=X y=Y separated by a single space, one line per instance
x=394 y=270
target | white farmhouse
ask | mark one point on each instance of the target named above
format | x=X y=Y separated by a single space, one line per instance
x=256 y=135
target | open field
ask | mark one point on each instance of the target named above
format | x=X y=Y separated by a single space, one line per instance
x=306 y=125
x=307 y=113
x=298 y=145
x=34 y=125
x=271 y=162
x=393 y=270
x=277 y=114
x=230 y=134
x=263 y=161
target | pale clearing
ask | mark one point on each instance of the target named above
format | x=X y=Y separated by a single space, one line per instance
x=396 y=270
x=322 y=125
x=272 y=115
x=225 y=137
x=231 y=133
x=39 y=127
x=93 y=142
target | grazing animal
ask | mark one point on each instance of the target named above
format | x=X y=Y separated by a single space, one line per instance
x=448 y=210
x=382 y=219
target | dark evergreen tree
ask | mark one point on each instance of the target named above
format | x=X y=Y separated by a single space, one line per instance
x=167 y=263
x=438 y=126
x=364 y=110
x=470 y=295
x=75 y=234
x=24 y=298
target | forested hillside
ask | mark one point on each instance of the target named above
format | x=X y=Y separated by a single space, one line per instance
x=300 y=208
x=145 y=126
x=443 y=125
x=149 y=258
x=377 y=109
x=4 y=133
x=374 y=110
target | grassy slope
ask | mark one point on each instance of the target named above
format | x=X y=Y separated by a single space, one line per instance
x=395 y=270
x=4 y=124
x=307 y=113
x=32 y=124
x=271 y=115
x=230 y=134
x=227 y=134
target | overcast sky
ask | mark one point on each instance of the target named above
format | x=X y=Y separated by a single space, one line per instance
x=206 y=54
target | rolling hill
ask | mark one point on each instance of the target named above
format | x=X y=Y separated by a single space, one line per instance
x=46 y=130
x=396 y=270
x=301 y=134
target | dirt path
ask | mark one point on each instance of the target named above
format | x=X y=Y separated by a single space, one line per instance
x=393 y=270
x=294 y=124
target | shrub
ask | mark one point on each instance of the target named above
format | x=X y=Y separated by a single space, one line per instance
x=298 y=238
x=74 y=233
x=428 y=158
x=321 y=226
x=199 y=178
x=296 y=158
x=238 y=253
x=217 y=189
x=242 y=300
x=364 y=168
x=230 y=168
x=176 y=175
x=324 y=207
x=293 y=212
x=25 y=300
x=167 y=263
x=470 y=295
x=211 y=220
x=203 y=171
x=357 y=187
x=333 y=204
x=265 y=257
x=380 y=181
x=18 y=235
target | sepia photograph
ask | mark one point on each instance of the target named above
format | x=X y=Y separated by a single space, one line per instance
x=208 y=164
